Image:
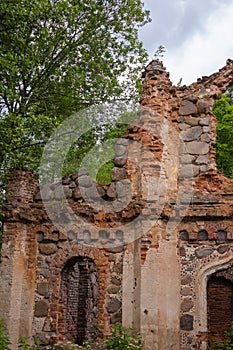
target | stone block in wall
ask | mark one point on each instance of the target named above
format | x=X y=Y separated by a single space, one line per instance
x=41 y=308
x=186 y=323
x=101 y=190
x=203 y=252
x=118 y=174
x=204 y=121
x=114 y=305
x=111 y=192
x=113 y=289
x=186 y=280
x=186 y=305
x=43 y=289
x=184 y=126
x=187 y=108
x=120 y=161
x=120 y=150
x=223 y=248
x=116 y=317
x=191 y=121
x=191 y=134
x=115 y=248
x=189 y=171
x=204 y=106
x=202 y=159
x=121 y=147
x=47 y=248
x=116 y=281
x=196 y=147
x=84 y=181
x=206 y=137
x=187 y=159
x=186 y=291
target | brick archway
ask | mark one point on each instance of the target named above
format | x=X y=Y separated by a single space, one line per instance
x=214 y=268
x=64 y=264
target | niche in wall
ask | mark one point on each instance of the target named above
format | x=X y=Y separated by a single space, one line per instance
x=79 y=293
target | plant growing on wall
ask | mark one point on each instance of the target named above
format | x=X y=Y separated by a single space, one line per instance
x=227 y=343
x=122 y=339
x=119 y=339
x=4 y=337
x=223 y=110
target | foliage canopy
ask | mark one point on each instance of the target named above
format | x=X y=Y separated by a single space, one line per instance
x=57 y=57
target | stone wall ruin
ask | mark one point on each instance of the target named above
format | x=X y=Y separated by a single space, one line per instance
x=151 y=255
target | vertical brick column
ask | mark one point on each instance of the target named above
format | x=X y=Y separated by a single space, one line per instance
x=18 y=257
x=151 y=282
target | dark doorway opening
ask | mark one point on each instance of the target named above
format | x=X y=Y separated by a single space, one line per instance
x=79 y=294
x=219 y=308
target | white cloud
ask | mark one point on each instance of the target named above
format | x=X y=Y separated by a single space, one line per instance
x=205 y=53
x=196 y=35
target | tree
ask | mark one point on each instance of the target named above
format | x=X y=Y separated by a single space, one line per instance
x=223 y=110
x=57 y=57
x=95 y=149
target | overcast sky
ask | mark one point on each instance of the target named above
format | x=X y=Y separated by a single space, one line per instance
x=197 y=35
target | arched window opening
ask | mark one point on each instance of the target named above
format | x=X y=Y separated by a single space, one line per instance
x=221 y=235
x=184 y=236
x=79 y=294
x=219 y=308
x=202 y=235
x=223 y=111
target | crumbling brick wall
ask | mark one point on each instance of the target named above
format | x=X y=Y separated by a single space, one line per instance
x=205 y=233
x=51 y=251
x=148 y=243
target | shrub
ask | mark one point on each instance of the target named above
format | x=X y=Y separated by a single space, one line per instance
x=122 y=339
x=4 y=337
x=24 y=345
x=119 y=339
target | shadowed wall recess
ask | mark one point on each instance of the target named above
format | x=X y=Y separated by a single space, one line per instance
x=79 y=293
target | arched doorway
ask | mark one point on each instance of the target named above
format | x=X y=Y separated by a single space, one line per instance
x=79 y=294
x=219 y=307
